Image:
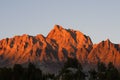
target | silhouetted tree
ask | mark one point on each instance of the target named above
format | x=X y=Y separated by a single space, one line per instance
x=18 y=72
x=104 y=73
x=112 y=73
x=72 y=70
x=101 y=71
x=101 y=67
x=34 y=73
x=5 y=74
x=93 y=74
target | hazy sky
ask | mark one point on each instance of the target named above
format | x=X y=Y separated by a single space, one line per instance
x=99 y=19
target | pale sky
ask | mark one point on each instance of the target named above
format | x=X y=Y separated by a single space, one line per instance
x=99 y=19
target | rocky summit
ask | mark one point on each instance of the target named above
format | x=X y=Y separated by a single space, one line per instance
x=51 y=51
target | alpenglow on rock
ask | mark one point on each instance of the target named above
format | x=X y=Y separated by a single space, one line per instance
x=50 y=52
x=59 y=44
x=105 y=52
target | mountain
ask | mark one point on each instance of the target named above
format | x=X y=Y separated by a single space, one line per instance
x=70 y=43
x=106 y=52
x=50 y=52
x=54 y=49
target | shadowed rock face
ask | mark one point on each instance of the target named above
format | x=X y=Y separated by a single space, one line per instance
x=51 y=51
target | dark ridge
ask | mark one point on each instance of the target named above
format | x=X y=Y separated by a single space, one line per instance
x=11 y=43
x=73 y=34
x=31 y=52
x=38 y=52
x=34 y=40
x=117 y=47
x=65 y=52
x=26 y=44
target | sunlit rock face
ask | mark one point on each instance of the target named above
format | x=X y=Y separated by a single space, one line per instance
x=70 y=43
x=105 y=52
x=50 y=52
x=59 y=44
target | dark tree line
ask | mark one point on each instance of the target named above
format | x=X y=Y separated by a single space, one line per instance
x=104 y=73
x=20 y=73
x=72 y=70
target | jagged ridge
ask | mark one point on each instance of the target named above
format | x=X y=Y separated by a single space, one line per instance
x=105 y=52
x=54 y=49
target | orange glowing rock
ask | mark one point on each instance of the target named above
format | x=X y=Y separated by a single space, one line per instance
x=59 y=44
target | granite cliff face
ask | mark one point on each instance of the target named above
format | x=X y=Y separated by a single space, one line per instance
x=54 y=49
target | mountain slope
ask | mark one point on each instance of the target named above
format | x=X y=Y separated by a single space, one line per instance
x=106 y=52
x=49 y=53
x=59 y=44
x=71 y=43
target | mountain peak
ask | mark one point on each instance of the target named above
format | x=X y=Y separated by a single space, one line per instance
x=108 y=41
x=55 y=31
x=57 y=27
x=69 y=41
x=65 y=36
